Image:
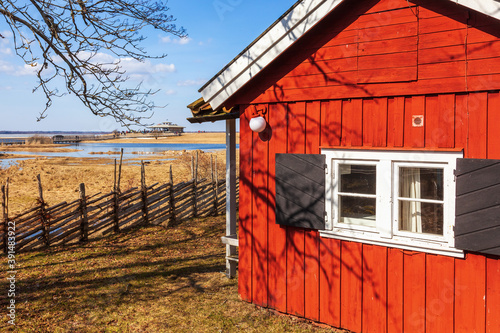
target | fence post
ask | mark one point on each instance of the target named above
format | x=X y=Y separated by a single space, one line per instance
x=116 y=205
x=195 y=184
x=216 y=184
x=144 y=193
x=43 y=217
x=84 y=225
x=120 y=169
x=116 y=195
x=172 y=199
x=5 y=219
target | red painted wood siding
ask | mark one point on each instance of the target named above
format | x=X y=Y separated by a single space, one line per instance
x=444 y=58
x=356 y=286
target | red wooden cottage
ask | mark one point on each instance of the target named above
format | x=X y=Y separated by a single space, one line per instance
x=370 y=198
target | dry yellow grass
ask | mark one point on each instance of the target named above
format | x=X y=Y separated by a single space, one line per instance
x=61 y=177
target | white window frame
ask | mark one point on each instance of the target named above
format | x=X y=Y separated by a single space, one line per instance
x=386 y=232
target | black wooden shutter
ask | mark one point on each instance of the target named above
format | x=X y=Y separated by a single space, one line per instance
x=477 y=225
x=300 y=190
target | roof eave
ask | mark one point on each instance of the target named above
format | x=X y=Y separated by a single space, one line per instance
x=296 y=22
x=213 y=118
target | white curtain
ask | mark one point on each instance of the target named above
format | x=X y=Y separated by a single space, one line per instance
x=411 y=211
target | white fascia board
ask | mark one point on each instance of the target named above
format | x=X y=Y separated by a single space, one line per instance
x=487 y=7
x=294 y=25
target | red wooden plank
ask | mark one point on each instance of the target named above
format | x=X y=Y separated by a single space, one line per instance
x=492 y=295
x=470 y=291
x=399 y=45
x=374 y=289
x=352 y=122
x=414 y=292
x=483 y=50
x=442 y=54
x=311 y=279
x=493 y=126
x=369 y=116
x=295 y=237
x=387 y=18
x=329 y=296
x=344 y=37
x=394 y=290
x=431 y=8
x=439 y=298
x=259 y=217
x=446 y=104
x=336 y=52
x=387 y=75
x=380 y=130
x=245 y=211
x=483 y=66
x=388 y=32
x=381 y=6
x=351 y=286
x=432 y=133
x=483 y=82
x=439 y=23
x=311 y=260
x=442 y=39
x=461 y=121
x=295 y=285
x=440 y=121
x=395 y=121
x=319 y=80
x=478 y=110
x=331 y=123
x=315 y=67
x=384 y=61
x=296 y=127
x=375 y=122
x=442 y=70
x=276 y=242
x=414 y=136
x=481 y=35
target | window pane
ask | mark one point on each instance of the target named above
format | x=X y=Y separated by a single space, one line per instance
x=421 y=217
x=421 y=183
x=360 y=179
x=356 y=210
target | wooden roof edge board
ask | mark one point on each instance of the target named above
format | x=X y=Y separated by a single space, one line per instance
x=487 y=7
x=213 y=118
x=295 y=23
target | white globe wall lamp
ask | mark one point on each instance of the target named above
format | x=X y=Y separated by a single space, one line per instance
x=258 y=124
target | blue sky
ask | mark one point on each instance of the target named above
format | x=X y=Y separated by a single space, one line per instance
x=218 y=30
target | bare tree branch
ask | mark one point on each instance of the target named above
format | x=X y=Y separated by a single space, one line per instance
x=63 y=39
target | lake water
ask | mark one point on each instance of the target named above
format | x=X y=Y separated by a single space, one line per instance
x=85 y=150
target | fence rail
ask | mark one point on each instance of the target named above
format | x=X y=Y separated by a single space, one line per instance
x=102 y=214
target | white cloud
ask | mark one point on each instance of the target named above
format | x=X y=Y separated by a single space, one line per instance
x=187 y=83
x=209 y=41
x=170 y=92
x=137 y=70
x=10 y=69
x=176 y=40
x=6 y=50
x=7 y=36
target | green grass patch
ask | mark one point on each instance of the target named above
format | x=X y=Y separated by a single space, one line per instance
x=152 y=279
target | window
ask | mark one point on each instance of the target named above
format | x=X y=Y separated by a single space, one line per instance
x=402 y=199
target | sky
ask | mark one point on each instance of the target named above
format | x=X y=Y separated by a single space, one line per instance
x=218 y=30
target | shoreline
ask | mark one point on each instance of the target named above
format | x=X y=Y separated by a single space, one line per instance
x=187 y=138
